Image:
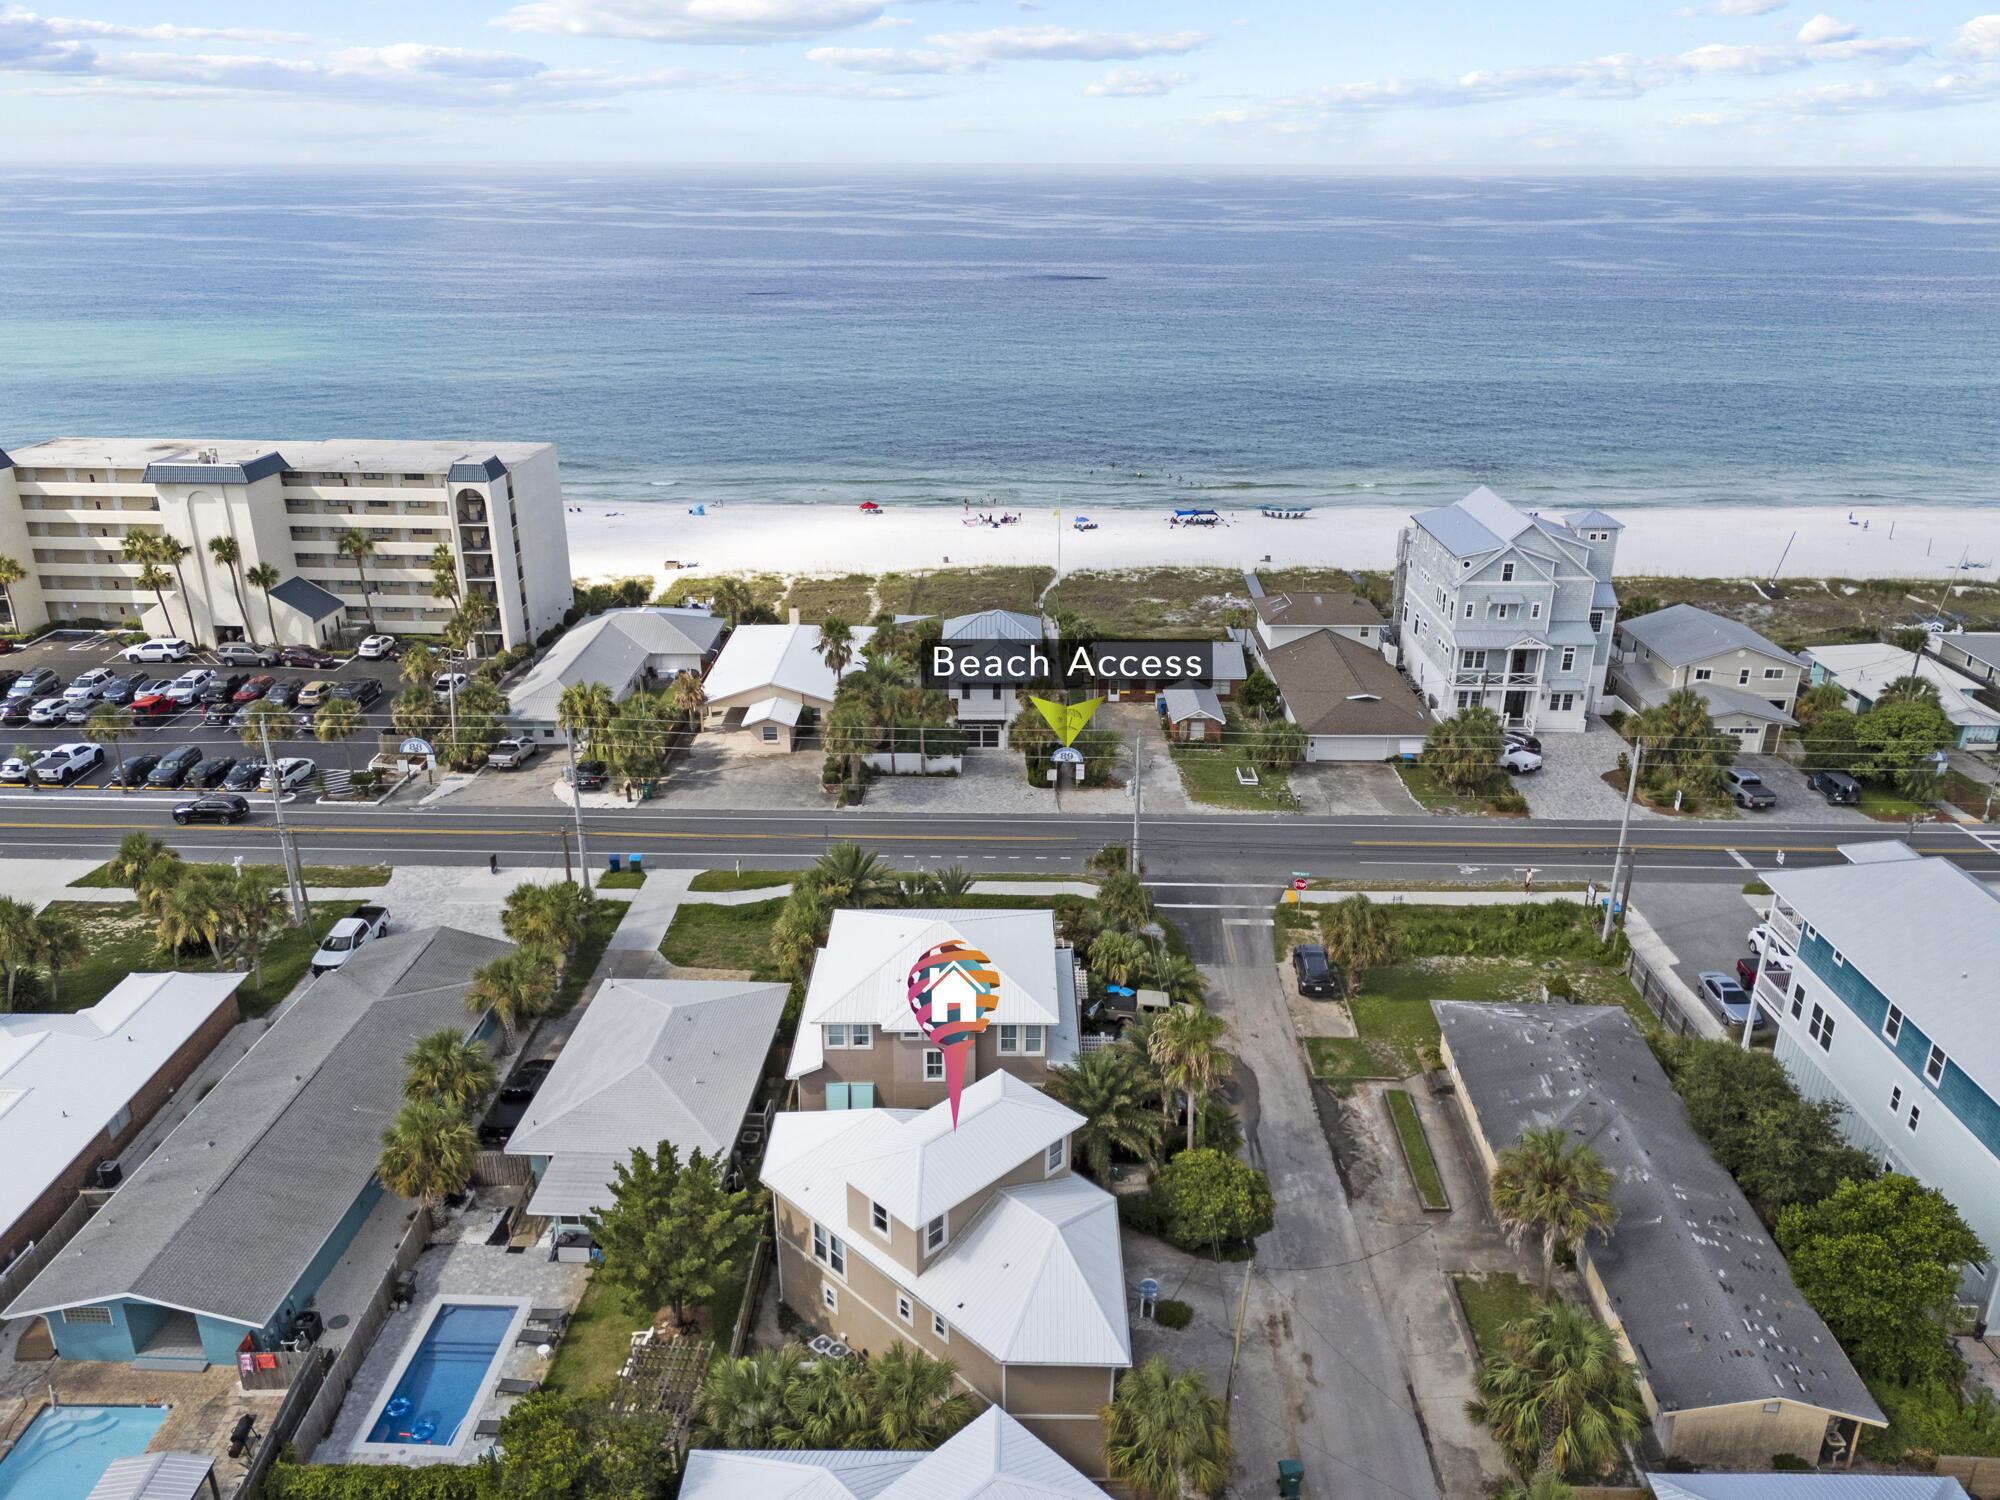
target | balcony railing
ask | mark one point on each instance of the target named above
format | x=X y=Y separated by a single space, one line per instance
x=1785 y=928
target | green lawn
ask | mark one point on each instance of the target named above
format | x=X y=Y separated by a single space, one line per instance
x=595 y=1345
x=1292 y=923
x=1492 y=1301
x=1208 y=774
x=358 y=877
x=1417 y=1150
x=605 y=916
x=122 y=942
x=741 y=880
x=1879 y=801
x=1433 y=795
x=620 y=880
x=724 y=937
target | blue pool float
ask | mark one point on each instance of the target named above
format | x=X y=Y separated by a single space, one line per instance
x=397 y=1407
x=424 y=1430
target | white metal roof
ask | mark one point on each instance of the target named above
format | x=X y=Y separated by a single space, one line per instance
x=1867 y=668
x=360 y=455
x=774 y=711
x=994 y=625
x=779 y=660
x=63 y=1077
x=155 y=1476
x=993 y=1457
x=1824 y=1486
x=614 y=648
x=577 y=1183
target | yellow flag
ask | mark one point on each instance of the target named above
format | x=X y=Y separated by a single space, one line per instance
x=1067 y=719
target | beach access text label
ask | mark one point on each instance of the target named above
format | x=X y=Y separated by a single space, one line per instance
x=1066 y=664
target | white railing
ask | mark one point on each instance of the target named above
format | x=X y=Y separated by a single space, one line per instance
x=1783 y=926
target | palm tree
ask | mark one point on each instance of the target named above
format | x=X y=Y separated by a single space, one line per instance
x=335 y=721
x=450 y=1070
x=849 y=875
x=59 y=942
x=1118 y=956
x=265 y=715
x=357 y=544
x=250 y=910
x=420 y=665
x=836 y=644
x=800 y=930
x=1910 y=689
x=154 y=882
x=516 y=987
x=1165 y=1435
x=136 y=851
x=916 y=1400
x=461 y=631
x=687 y=696
x=415 y=711
x=954 y=883
x=192 y=909
x=1819 y=699
x=1547 y=1485
x=109 y=724
x=266 y=577
x=444 y=573
x=1111 y=1090
x=1561 y=1398
x=585 y=708
x=1464 y=751
x=171 y=551
x=1122 y=902
x=1359 y=937
x=153 y=576
x=20 y=946
x=544 y=916
x=229 y=552
x=743 y=1400
x=428 y=1152
x=11 y=573
x=1178 y=976
x=732 y=598
x=1681 y=740
x=826 y=1406
x=1545 y=1185
x=1185 y=1051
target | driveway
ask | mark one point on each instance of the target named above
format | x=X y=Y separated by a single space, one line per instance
x=1797 y=802
x=1703 y=926
x=1571 y=785
x=1352 y=789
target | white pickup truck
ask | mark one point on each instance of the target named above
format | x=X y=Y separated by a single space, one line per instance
x=349 y=933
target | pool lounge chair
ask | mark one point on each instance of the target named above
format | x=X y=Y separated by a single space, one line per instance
x=516 y=1387
x=490 y=1428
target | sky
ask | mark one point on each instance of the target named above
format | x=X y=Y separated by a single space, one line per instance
x=1319 y=84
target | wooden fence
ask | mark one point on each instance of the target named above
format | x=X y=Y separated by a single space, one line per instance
x=746 y=1310
x=28 y=1265
x=498 y=1169
x=1980 y=1476
x=1661 y=997
x=286 y=1367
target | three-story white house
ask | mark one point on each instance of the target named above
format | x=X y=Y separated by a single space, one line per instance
x=1883 y=999
x=1498 y=608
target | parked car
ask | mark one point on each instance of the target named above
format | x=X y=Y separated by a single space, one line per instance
x=1836 y=786
x=284 y=692
x=164 y=648
x=79 y=710
x=376 y=647
x=509 y=755
x=349 y=933
x=313 y=693
x=1748 y=789
x=38 y=683
x=210 y=772
x=120 y=691
x=15 y=771
x=174 y=766
x=449 y=682
x=221 y=687
x=1317 y=980
x=1527 y=741
x=305 y=656
x=510 y=1105
x=48 y=711
x=155 y=705
x=212 y=807
x=65 y=763
x=244 y=776
x=1765 y=943
x=1520 y=760
x=245 y=654
x=587 y=775
x=253 y=689
x=1729 y=1000
x=292 y=772
x=135 y=771
x=1746 y=972
x=360 y=690
x=7 y=680
x=16 y=710
x=88 y=684
x=189 y=686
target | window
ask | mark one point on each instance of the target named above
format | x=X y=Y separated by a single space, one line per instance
x=878 y=1218
x=933 y=1066
x=1772 y=1408
x=1772 y=674
x=1895 y=1099
x=1534 y=611
x=1055 y=1155
x=938 y=1327
x=1798 y=1000
x=1506 y=572
x=1500 y=611
x=934 y=1235
x=836 y=1255
x=1031 y=1040
x=836 y=1034
x=1839 y=962
x=819 y=1242
x=1569 y=659
x=1821 y=1029
x=86 y=1315
x=1743 y=678
x=1702 y=674
x=859 y=1034
x=1464 y=700
x=1893 y=1027
x=1596 y=621
x=1916 y=1112
x=903 y=1308
x=1934 y=1069
x=829 y=1298
x=1473 y=660
x=1563 y=702
x=1010 y=1040
x=770 y=734
x=1468 y=611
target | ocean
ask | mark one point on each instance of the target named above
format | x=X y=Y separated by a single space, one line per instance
x=1090 y=338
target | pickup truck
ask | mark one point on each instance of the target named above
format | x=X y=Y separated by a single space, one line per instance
x=349 y=933
x=1748 y=789
x=508 y=755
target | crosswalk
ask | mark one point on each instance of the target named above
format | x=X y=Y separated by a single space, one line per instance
x=1987 y=838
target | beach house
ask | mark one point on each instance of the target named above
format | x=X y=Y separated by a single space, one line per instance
x=859 y=1045
x=624 y=649
x=986 y=711
x=1863 y=669
x=1292 y=615
x=1347 y=696
x=1975 y=653
x=770 y=680
x=1749 y=684
x=1733 y=1364
x=1508 y=610
x=66 y=507
x=218 y=1242
x=975 y=1244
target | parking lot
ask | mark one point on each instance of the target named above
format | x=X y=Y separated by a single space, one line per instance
x=70 y=656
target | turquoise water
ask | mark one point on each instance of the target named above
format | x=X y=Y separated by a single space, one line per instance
x=443 y=1381
x=66 y=1450
x=1096 y=338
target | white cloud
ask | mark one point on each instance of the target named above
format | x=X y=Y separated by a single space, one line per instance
x=893 y=60
x=1133 y=83
x=1065 y=43
x=1823 y=28
x=72 y=28
x=1978 y=39
x=717 y=21
x=1734 y=8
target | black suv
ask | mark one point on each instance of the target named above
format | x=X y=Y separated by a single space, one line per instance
x=211 y=772
x=174 y=766
x=244 y=776
x=222 y=689
x=361 y=690
x=137 y=769
x=1317 y=980
x=1835 y=786
x=212 y=807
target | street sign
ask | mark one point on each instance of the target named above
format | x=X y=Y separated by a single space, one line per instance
x=1298 y=882
x=1067 y=755
x=415 y=746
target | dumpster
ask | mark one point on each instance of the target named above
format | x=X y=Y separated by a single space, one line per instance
x=1291 y=1475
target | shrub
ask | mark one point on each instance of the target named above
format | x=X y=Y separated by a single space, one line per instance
x=1509 y=801
x=1789 y=1463
x=294 y=1481
x=1171 y=1314
x=1755 y=888
x=1206 y=1198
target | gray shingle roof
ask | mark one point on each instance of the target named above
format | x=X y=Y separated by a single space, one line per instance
x=1333 y=685
x=1704 y=1295
x=188 y=470
x=1681 y=633
x=307 y=597
x=1595 y=520
x=476 y=471
x=994 y=625
x=1980 y=645
x=1304 y=607
x=224 y=1218
x=1723 y=702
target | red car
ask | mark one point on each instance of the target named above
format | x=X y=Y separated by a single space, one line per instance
x=1746 y=972
x=155 y=706
x=252 y=690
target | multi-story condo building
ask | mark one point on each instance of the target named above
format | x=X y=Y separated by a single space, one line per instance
x=1883 y=1000
x=975 y=1244
x=66 y=507
x=1749 y=684
x=858 y=1045
x=1498 y=608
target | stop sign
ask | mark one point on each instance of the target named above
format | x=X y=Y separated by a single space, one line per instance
x=1299 y=884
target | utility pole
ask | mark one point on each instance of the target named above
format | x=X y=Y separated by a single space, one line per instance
x=1138 y=795
x=294 y=878
x=576 y=807
x=1612 y=904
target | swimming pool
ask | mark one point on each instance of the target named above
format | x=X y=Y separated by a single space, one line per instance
x=442 y=1381
x=66 y=1449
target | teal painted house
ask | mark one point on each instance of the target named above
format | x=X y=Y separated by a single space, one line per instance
x=227 y=1230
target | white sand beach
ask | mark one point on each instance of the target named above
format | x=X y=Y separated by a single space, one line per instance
x=607 y=541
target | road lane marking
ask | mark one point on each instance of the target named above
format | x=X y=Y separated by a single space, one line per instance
x=1741 y=860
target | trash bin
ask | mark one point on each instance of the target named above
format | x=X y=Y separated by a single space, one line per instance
x=1291 y=1475
x=633 y=861
x=617 y=863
